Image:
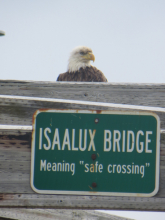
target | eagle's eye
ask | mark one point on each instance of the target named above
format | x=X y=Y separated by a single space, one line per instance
x=82 y=53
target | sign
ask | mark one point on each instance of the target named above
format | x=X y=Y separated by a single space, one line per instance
x=95 y=153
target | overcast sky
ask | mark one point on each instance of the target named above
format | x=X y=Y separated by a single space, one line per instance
x=126 y=36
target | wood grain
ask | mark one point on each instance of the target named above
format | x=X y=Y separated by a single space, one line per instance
x=20 y=112
x=136 y=94
x=57 y=214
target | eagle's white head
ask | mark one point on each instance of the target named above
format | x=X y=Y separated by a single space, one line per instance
x=80 y=57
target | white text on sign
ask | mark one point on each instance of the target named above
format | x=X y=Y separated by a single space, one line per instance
x=115 y=141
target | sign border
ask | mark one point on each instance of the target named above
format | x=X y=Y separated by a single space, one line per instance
x=95 y=192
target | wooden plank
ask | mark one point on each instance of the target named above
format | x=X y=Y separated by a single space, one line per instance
x=20 y=112
x=15 y=190
x=20 y=109
x=81 y=202
x=126 y=93
x=58 y=214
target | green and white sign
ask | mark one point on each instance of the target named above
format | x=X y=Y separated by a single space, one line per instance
x=95 y=153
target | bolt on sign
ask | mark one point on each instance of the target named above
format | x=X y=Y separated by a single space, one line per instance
x=95 y=153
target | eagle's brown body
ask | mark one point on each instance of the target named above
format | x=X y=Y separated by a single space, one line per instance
x=87 y=74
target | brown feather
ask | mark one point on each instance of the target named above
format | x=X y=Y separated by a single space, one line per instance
x=88 y=74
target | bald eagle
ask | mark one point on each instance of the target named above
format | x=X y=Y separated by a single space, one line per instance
x=80 y=68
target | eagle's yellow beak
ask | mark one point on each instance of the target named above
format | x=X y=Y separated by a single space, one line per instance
x=90 y=56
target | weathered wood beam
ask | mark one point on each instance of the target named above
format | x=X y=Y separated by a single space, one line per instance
x=20 y=109
x=123 y=93
x=60 y=214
